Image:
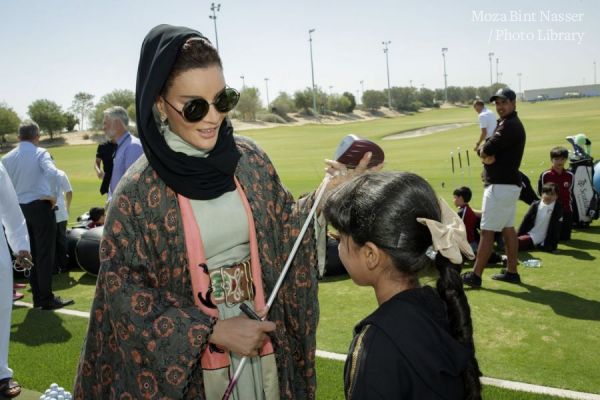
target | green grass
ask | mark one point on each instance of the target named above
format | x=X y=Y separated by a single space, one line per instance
x=543 y=332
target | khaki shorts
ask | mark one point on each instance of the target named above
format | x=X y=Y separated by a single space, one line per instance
x=499 y=207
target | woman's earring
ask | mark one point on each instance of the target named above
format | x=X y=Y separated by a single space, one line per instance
x=163 y=124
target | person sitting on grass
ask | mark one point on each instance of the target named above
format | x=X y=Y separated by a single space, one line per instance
x=462 y=197
x=96 y=217
x=563 y=179
x=541 y=225
x=418 y=344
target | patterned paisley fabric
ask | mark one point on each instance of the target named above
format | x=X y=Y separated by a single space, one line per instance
x=145 y=334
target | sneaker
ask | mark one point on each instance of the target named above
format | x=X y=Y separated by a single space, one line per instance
x=510 y=277
x=19 y=285
x=17 y=296
x=471 y=279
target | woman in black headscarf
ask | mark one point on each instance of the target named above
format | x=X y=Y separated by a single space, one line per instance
x=199 y=225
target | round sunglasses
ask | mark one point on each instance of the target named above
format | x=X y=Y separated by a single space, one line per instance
x=196 y=109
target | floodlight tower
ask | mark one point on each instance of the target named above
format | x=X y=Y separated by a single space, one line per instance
x=214 y=8
x=267 y=87
x=312 y=72
x=497 y=73
x=243 y=82
x=387 y=64
x=595 y=72
x=490 y=55
x=444 y=51
x=519 y=75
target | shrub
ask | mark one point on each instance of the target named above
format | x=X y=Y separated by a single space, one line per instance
x=270 y=117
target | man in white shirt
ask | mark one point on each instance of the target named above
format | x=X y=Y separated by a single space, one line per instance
x=487 y=122
x=33 y=175
x=15 y=228
x=64 y=195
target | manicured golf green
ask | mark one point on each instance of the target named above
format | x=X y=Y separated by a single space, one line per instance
x=544 y=331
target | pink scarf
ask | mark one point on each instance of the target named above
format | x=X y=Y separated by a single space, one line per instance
x=201 y=280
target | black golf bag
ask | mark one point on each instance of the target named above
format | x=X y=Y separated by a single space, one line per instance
x=585 y=198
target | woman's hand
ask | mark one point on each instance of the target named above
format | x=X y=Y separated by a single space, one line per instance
x=241 y=335
x=341 y=173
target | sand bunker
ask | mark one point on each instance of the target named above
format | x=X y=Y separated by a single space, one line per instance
x=428 y=130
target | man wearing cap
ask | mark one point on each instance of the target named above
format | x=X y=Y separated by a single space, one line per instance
x=501 y=155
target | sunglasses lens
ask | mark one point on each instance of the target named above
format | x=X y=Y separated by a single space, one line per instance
x=195 y=110
x=227 y=100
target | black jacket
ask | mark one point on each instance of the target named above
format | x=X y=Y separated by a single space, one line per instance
x=404 y=351
x=553 y=233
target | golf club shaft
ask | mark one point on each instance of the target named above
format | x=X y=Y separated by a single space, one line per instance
x=281 y=278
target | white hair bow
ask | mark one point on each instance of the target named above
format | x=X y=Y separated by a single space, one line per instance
x=449 y=236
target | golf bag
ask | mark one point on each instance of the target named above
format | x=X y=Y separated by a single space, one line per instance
x=585 y=198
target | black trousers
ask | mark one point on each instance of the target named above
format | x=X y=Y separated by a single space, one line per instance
x=60 y=260
x=41 y=225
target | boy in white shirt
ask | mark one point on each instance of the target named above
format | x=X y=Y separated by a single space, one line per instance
x=542 y=222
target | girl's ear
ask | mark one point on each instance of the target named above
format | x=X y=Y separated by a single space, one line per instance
x=372 y=255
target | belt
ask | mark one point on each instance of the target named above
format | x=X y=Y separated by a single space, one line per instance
x=232 y=284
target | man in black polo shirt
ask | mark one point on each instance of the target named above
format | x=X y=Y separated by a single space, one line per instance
x=501 y=155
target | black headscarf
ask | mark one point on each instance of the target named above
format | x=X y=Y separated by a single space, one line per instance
x=194 y=177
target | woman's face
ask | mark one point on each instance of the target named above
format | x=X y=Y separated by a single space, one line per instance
x=192 y=84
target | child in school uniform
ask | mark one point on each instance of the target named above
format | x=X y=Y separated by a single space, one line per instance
x=563 y=179
x=541 y=226
x=418 y=344
x=471 y=219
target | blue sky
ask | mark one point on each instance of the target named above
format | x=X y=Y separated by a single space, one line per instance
x=55 y=48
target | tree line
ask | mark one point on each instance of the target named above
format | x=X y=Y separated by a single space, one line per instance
x=52 y=119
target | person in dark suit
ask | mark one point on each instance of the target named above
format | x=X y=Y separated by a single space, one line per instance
x=541 y=225
x=34 y=176
x=104 y=163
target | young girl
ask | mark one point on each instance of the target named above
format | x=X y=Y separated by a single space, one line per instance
x=419 y=343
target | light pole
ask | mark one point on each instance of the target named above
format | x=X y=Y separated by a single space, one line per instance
x=490 y=55
x=497 y=73
x=312 y=72
x=387 y=64
x=267 y=87
x=594 y=72
x=243 y=82
x=444 y=50
x=519 y=75
x=214 y=8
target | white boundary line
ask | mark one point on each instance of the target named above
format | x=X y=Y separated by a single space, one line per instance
x=520 y=386
x=65 y=311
